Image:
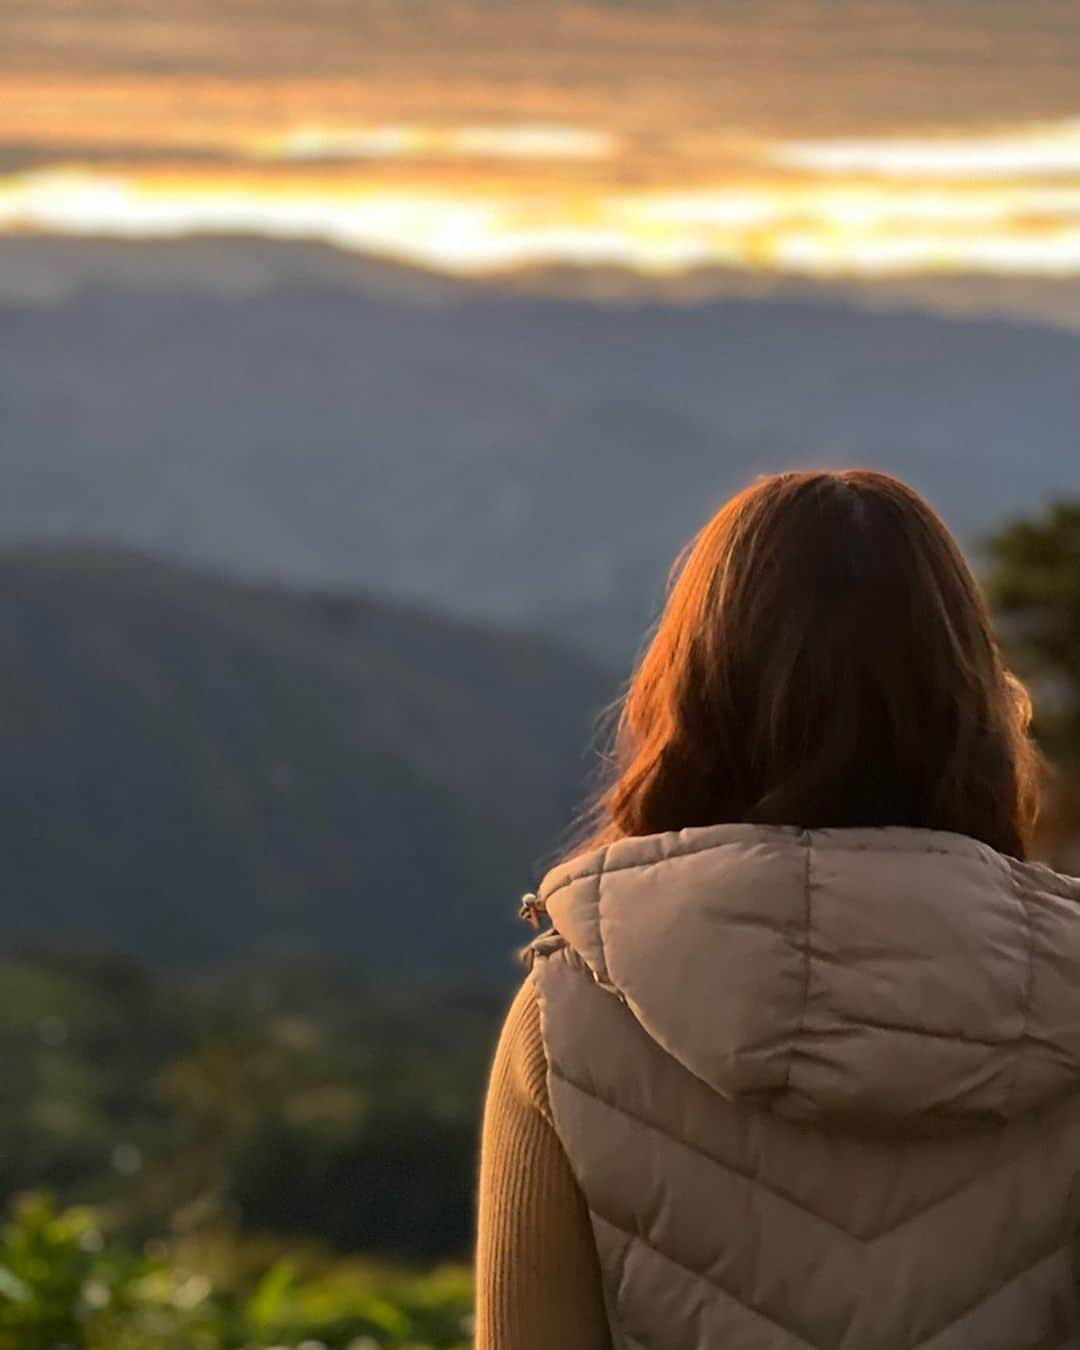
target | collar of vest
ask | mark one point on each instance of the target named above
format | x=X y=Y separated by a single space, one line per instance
x=881 y=974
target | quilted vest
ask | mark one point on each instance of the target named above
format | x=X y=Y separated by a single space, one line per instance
x=820 y=1088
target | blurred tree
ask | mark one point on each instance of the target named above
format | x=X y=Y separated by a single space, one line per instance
x=400 y=1184
x=296 y=1099
x=1033 y=582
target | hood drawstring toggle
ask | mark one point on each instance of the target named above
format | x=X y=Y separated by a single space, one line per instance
x=533 y=910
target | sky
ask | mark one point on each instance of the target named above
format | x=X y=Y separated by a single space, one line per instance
x=821 y=138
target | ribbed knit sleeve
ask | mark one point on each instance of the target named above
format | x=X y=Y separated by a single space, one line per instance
x=538 y=1281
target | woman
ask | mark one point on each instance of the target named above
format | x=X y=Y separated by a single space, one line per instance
x=799 y=1062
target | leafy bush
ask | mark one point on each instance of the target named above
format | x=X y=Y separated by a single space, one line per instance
x=281 y=1097
x=64 y=1286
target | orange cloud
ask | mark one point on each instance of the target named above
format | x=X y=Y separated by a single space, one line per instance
x=819 y=224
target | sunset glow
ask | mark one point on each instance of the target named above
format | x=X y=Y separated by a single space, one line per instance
x=432 y=142
x=889 y=141
x=843 y=212
x=1043 y=151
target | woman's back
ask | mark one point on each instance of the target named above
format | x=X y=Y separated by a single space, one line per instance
x=819 y=1088
x=803 y=1053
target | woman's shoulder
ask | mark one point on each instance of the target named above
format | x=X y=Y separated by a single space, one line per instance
x=520 y=1059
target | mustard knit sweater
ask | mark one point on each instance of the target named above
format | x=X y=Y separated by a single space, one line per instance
x=538 y=1281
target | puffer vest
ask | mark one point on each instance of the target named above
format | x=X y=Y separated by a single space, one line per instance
x=820 y=1088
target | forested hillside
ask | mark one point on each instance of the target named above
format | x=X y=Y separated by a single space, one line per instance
x=192 y=769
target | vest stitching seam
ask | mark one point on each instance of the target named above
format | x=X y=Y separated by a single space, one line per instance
x=620 y=1273
x=1028 y=994
x=986 y=858
x=979 y=1179
x=708 y=1157
x=807 y=958
x=873 y=1024
x=700 y=1275
x=1041 y=1259
x=604 y=973
x=993 y=1293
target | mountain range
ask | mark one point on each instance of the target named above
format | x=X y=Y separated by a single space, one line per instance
x=46 y=269
x=528 y=460
x=276 y=566
x=196 y=770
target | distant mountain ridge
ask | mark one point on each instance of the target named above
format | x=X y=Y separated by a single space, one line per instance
x=530 y=461
x=48 y=269
x=195 y=770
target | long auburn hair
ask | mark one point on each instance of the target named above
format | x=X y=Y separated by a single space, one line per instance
x=824 y=659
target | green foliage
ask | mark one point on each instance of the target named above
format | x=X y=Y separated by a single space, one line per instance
x=278 y=1099
x=63 y=1286
x=1033 y=581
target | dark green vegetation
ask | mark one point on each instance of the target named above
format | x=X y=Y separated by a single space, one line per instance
x=194 y=769
x=282 y=1099
x=1034 y=583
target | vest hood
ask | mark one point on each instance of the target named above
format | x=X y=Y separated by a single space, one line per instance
x=887 y=974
